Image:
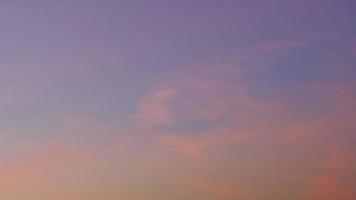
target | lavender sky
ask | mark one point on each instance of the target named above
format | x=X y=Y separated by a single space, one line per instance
x=178 y=99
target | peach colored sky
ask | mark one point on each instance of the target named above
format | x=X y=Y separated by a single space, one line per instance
x=177 y=99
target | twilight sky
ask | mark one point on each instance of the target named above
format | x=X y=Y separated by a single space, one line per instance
x=178 y=99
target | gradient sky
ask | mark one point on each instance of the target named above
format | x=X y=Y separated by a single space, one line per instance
x=178 y=99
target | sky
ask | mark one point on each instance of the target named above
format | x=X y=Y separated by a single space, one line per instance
x=177 y=99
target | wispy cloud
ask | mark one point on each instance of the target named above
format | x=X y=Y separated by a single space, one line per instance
x=153 y=109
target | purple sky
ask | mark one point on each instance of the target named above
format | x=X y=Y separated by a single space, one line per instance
x=177 y=99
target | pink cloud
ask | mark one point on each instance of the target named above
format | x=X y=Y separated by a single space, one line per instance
x=213 y=96
x=339 y=158
x=333 y=184
x=198 y=145
x=277 y=46
x=209 y=92
x=330 y=187
x=153 y=109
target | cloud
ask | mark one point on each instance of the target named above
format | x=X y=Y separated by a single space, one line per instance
x=153 y=109
x=207 y=106
x=330 y=187
x=339 y=159
x=281 y=45
x=197 y=145
x=336 y=181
